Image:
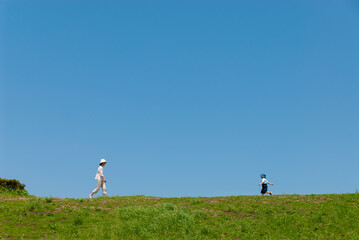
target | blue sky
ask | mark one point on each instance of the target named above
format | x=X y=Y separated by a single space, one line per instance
x=189 y=98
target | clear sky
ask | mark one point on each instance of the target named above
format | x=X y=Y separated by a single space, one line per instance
x=183 y=98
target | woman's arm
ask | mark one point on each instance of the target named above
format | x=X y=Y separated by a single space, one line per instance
x=103 y=176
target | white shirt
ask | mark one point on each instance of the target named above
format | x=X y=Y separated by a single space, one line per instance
x=100 y=173
x=264 y=181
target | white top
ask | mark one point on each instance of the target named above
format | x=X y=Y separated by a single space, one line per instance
x=264 y=181
x=100 y=173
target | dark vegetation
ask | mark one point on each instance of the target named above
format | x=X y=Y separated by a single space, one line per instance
x=12 y=187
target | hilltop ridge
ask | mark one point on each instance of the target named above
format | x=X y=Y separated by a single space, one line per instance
x=139 y=217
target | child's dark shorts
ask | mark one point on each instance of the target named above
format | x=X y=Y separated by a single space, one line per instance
x=264 y=188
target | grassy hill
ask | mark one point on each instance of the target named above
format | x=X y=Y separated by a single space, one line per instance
x=140 y=217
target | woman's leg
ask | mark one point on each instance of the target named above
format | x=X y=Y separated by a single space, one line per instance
x=104 y=189
x=98 y=186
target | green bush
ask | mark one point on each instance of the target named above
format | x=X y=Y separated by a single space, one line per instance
x=12 y=188
x=12 y=184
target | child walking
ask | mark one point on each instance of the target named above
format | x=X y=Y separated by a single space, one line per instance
x=101 y=180
x=264 y=185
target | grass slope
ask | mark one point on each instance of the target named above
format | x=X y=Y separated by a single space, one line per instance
x=140 y=217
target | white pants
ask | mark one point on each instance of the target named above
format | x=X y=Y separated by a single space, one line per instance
x=100 y=184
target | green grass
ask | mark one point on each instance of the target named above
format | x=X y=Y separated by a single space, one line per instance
x=140 y=217
x=9 y=192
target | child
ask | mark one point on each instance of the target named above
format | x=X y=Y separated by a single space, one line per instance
x=264 y=185
x=100 y=179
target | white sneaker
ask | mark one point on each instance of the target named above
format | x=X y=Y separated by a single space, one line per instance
x=90 y=196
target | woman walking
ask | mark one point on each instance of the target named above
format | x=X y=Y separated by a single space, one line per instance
x=101 y=180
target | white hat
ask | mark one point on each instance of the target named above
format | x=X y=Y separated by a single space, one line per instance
x=103 y=161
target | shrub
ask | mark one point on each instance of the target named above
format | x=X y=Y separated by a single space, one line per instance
x=12 y=184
